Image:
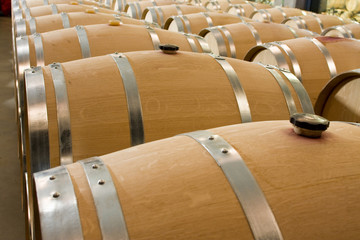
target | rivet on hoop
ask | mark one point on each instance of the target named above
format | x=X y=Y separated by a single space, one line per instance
x=52 y=178
x=211 y=138
x=56 y=195
x=224 y=150
x=95 y=166
x=101 y=182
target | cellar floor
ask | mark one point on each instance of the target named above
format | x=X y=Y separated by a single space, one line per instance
x=11 y=214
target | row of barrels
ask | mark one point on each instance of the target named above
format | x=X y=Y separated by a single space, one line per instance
x=95 y=88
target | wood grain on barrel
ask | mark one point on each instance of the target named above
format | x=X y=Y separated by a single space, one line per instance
x=173 y=189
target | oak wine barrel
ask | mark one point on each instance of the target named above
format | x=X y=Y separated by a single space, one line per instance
x=245 y=10
x=49 y=23
x=234 y=182
x=23 y=4
x=235 y=40
x=276 y=15
x=353 y=5
x=222 y=5
x=314 y=22
x=28 y=13
x=194 y=23
x=346 y=31
x=339 y=99
x=313 y=60
x=336 y=4
x=116 y=101
x=135 y=9
x=160 y=14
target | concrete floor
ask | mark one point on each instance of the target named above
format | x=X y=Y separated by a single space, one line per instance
x=11 y=214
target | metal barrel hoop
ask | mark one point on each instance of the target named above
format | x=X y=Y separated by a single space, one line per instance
x=154 y=37
x=284 y=88
x=57 y=201
x=132 y=97
x=251 y=198
x=63 y=114
x=240 y=95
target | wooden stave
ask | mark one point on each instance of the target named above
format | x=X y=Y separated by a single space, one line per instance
x=291 y=165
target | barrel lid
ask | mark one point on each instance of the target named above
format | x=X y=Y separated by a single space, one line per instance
x=309 y=125
x=168 y=48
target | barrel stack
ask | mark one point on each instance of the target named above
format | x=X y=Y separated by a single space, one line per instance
x=170 y=119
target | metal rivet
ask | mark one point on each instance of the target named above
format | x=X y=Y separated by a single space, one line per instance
x=33 y=71
x=56 y=195
x=95 y=166
x=224 y=150
x=211 y=138
x=52 y=178
x=101 y=182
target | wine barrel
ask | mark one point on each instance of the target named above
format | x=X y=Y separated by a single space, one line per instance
x=339 y=99
x=233 y=182
x=23 y=4
x=64 y=45
x=245 y=10
x=314 y=61
x=194 y=23
x=135 y=9
x=336 y=4
x=314 y=22
x=235 y=40
x=102 y=104
x=346 y=31
x=39 y=11
x=222 y=5
x=67 y=20
x=353 y=5
x=96 y=40
x=161 y=13
x=276 y=15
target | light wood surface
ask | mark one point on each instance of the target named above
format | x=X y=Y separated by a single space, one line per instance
x=339 y=100
x=314 y=67
x=179 y=93
x=65 y=7
x=244 y=38
x=173 y=188
x=198 y=21
x=54 y=22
